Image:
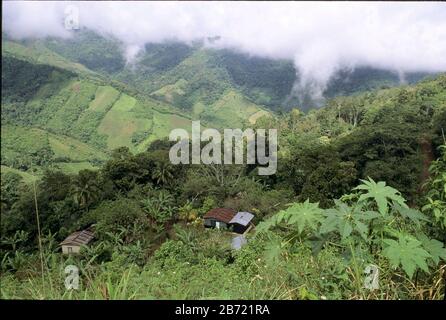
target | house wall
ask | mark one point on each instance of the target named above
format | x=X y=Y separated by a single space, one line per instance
x=74 y=249
x=212 y=223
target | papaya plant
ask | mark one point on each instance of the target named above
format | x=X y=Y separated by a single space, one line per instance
x=379 y=219
x=383 y=195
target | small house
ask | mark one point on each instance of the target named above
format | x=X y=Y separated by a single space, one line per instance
x=72 y=244
x=241 y=222
x=224 y=218
x=218 y=218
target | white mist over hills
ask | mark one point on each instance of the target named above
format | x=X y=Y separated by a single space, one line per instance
x=320 y=38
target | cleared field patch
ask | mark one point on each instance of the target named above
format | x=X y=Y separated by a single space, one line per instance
x=197 y=109
x=120 y=123
x=163 y=123
x=27 y=177
x=104 y=98
x=74 y=167
x=66 y=147
x=82 y=93
x=39 y=53
x=125 y=103
x=256 y=116
x=23 y=145
x=86 y=126
x=170 y=91
x=232 y=110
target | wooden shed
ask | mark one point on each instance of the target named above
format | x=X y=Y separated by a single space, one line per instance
x=241 y=221
x=72 y=244
x=218 y=218
x=224 y=218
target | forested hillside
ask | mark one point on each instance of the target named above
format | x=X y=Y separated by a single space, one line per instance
x=82 y=115
x=188 y=75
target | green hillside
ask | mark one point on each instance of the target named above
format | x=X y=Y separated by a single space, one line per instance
x=81 y=89
x=336 y=191
x=30 y=149
x=352 y=188
x=27 y=177
x=78 y=117
x=186 y=75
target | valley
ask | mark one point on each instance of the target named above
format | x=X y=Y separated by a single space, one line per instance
x=88 y=93
x=88 y=182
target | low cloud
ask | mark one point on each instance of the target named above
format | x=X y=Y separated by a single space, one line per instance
x=319 y=37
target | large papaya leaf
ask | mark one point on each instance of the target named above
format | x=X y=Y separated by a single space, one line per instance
x=434 y=247
x=346 y=219
x=407 y=252
x=381 y=194
x=411 y=214
x=302 y=216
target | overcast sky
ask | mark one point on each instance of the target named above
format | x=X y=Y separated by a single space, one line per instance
x=318 y=37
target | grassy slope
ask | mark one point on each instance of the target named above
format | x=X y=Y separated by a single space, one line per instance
x=72 y=116
x=64 y=146
x=27 y=177
x=232 y=110
x=38 y=53
x=80 y=116
x=20 y=143
x=120 y=123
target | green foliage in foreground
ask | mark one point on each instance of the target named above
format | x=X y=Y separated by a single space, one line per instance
x=302 y=252
x=357 y=226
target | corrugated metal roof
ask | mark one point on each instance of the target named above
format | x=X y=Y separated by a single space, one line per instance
x=242 y=218
x=78 y=238
x=220 y=214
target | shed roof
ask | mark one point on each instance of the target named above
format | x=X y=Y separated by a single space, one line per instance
x=78 y=238
x=242 y=218
x=220 y=214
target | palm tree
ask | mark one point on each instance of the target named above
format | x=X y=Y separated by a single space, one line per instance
x=85 y=188
x=163 y=173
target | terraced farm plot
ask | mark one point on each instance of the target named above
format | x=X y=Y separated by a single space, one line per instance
x=120 y=123
x=81 y=94
x=163 y=123
x=66 y=147
x=74 y=167
x=232 y=110
x=104 y=98
x=27 y=177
